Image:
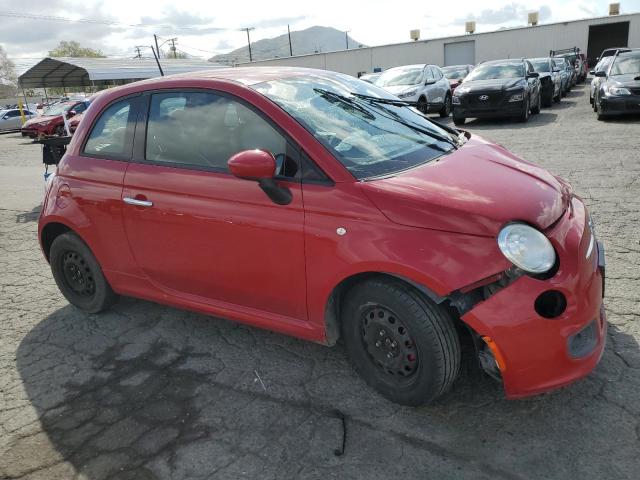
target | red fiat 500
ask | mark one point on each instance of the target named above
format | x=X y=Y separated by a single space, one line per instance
x=320 y=206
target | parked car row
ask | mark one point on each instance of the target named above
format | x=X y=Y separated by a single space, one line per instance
x=616 y=84
x=11 y=119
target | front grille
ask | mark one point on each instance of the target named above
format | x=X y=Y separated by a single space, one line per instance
x=582 y=343
x=492 y=99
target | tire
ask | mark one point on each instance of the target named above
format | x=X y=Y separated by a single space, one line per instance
x=445 y=111
x=418 y=357
x=600 y=115
x=556 y=99
x=78 y=274
x=59 y=131
x=548 y=101
x=535 y=110
x=458 y=120
x=423 y=106
x=524 y=116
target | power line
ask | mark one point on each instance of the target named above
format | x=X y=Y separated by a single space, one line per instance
x=55 y=18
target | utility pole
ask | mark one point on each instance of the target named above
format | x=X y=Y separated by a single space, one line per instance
x=173 y=47
x=290 y=47
x=157 y=61
x=139 y=55
x=346 y=38
x=155 y=37
x=249 y=40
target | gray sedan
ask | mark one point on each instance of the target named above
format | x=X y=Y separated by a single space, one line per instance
x=11 y=119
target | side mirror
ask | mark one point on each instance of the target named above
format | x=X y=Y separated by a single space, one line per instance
x=533 y=75
x=556 y=70
x=260 y=166
x=592 y=72
x=430 y=82
x=70 y=113
x=601 y=73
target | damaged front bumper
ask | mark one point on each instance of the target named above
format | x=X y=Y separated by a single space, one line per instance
x=544 y=346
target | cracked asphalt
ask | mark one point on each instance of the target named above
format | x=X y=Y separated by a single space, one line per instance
x=150 y=392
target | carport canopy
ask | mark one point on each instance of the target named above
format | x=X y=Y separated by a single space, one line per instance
x=86 y=72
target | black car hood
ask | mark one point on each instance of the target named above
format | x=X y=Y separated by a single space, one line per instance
x=624 y=80
x=496 y=85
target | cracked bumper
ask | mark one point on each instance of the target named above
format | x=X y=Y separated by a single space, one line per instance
x=536 y=349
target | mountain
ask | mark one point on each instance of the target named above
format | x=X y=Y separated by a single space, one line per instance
x=310 y=40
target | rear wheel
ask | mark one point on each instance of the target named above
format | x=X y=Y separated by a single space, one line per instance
x=402 y=344
x=446 y=108
x=548 y=101
x=78 y=274
x=457 y=120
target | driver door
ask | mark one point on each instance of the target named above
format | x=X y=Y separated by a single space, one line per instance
x=200 y=233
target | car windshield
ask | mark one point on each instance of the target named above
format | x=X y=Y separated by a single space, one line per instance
x=571 y=58
x=560 y=63
x=57 y=109
x=455 y=73
x=400 y=76
x=497 y=70
x=540 y=65
x=369 y=138
x=626 y=64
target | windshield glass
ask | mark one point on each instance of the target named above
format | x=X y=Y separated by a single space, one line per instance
x=560 y=63
x=540 y=65
x=455 y=73
x=626 y=64
x=57 y=109
x=400 y=76
x=368 y=138
x=497 y=70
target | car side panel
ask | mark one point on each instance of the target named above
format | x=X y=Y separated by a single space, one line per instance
x=438 y=261
x=86 y=196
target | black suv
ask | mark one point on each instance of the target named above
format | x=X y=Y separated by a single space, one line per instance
x=500 y=88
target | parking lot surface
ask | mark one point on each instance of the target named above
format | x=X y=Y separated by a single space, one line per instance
x=146 y=391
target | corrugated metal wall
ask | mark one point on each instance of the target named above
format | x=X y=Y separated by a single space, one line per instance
x=520 y=42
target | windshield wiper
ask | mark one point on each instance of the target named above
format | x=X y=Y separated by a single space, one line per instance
x=333 y=96
x=399 y=103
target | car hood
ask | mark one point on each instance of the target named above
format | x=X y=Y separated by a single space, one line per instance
x=625 y=80
x=396 y=89
x=474 y=190
x=40 y=119
x=492 y=85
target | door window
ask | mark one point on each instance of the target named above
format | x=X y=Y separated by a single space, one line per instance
x=429 y=74
x=111 y=135
x=203 y=130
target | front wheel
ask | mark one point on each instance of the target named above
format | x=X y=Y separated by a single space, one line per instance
x=403 y=345
x=524 y=116
x=446 y=108
x=78 y=274
x=535 y=110
x=423 y=105
x=457 y=120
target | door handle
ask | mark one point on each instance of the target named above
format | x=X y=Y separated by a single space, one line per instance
x=137 y=203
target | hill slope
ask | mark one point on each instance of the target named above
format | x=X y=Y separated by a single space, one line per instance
x=310 y=40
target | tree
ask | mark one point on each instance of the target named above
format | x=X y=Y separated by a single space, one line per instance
x=7 y=75
x=74 y=49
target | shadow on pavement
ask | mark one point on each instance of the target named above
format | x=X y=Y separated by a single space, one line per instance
x=146 y=391
x=30 y=216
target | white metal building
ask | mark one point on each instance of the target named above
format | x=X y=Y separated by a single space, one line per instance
x=590 y=35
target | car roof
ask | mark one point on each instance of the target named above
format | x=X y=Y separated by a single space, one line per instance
x=505 y=61
x=539 y=58
x=629 y=53
x=245 y=75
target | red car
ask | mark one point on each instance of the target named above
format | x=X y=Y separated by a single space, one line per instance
x=50 y=122
x=317 y=205
x=456 y=74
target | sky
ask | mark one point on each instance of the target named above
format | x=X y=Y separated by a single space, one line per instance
x=204 y=28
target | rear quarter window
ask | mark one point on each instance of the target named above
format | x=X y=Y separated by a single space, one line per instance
x=112 y=133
